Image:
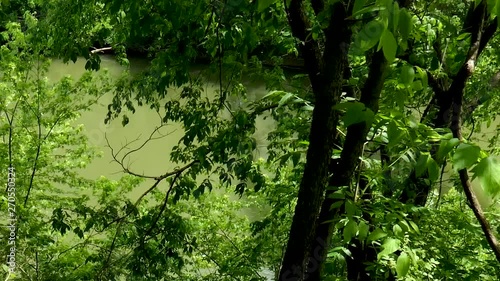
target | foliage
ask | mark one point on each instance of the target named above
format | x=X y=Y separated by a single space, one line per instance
x=388 y=213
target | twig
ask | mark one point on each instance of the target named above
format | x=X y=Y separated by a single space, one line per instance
x=158 y=180
x=101 y=50
x=164 y=205
x=121 y=161
x=440 y=184
x=239 y=251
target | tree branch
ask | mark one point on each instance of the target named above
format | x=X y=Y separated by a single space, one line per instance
x=478 y=212
x=356 y=136
x=101 y=50
x=163 y=206
x=300 y=24
x=481 y=33
x=457 y=90
x=122 y=160
x=464 y=180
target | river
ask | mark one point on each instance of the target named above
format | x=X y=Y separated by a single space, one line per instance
x=153 y=159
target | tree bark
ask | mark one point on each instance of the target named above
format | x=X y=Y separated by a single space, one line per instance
x=349 y=160
x=482 y=30
x=450 y=102
x=326 y=74
x=481 y=38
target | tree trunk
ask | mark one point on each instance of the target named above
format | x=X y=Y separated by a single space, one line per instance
x=353 y=147
x=326 y=74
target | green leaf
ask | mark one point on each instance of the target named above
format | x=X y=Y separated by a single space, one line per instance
x=417 y=85
x=264 y=4
x=488 y=172
x=394 y=132
x=398 y=231
x=407 y=75
x=350 y=230
x=356 y=112
x=125 y=120
x=389 y=45
x=368 y=37
x=395 y=16
x=336 y=205
x=433 y=169
x=465 y=156
x=369 y=9
x=402 y=265
x=404 y=225
x=350 y=208
x=445 y=147
x=389 y=246
x=307 y=108
x=284 y=99
x=88 y=65
x=358 y=5
x=337 y=195
x=274 y=93
x=491 y=4
x=376 y=235
x=462 y=36
x=285 y=158
x=363 y=230
x=421 y=165
x=423 y=77
x=405 y=24
x=296 y=158
x=78 y=232
x=414 y=226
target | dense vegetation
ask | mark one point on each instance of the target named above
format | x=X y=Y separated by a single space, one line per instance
x=370 y=164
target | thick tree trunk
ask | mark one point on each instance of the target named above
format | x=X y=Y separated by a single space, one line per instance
x=343 y=172
x=326 y=75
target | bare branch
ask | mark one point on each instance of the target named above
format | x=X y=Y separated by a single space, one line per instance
x=122 y=160
x=101 y=50
x=157 y=182
x=38 y=150
x=471 y=197
x=163 y=206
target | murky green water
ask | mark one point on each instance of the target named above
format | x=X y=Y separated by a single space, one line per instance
x=154 y=158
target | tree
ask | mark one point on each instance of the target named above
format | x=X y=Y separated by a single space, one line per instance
x=381 y=113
